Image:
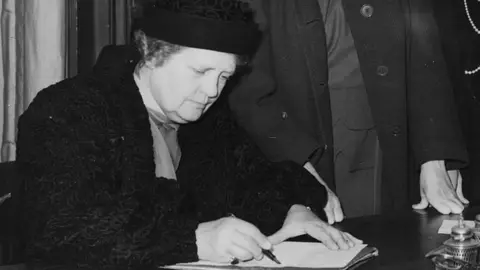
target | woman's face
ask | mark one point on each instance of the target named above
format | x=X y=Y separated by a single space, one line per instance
x=189 y=82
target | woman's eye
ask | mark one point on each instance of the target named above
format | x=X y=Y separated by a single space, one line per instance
x=199 y=71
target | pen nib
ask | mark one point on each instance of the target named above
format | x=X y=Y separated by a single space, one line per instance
x=270 y=255
x=276 y=260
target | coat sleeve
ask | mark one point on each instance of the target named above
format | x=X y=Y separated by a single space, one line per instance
x=433 y=117
x=269 y=193
x=259 y=110
x=226 y=172
x=87 y=204
x=305 y=189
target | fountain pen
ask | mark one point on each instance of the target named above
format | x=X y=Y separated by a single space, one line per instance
x=270 y=255
x=265 y=252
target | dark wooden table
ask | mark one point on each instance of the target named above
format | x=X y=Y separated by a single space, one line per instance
x=402 y=239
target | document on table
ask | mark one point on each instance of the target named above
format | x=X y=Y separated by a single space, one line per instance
x=298 y=255
x=447 y=225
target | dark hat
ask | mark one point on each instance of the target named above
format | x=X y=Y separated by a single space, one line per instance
x=202 y=26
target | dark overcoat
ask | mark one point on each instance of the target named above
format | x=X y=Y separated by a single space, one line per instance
x=285 y=102
x=461 y=48
x=85 y=152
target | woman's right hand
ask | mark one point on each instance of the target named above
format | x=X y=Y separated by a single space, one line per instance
x=223 y=239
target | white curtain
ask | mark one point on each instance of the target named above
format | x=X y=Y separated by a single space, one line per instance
x=32 y=56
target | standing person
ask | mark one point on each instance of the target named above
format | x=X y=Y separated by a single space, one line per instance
x=359 y=95
x=460 y=35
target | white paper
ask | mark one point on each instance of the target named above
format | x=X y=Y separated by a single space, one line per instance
x=447 y=225
x=293 y=254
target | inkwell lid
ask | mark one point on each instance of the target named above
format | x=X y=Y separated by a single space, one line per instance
x=462 y=237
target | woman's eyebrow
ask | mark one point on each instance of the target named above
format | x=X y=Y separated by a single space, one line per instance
x=204 y=68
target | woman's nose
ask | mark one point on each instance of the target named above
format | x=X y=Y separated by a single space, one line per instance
x=210 y=87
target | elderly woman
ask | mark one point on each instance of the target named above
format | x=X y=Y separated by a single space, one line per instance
x=99 y=154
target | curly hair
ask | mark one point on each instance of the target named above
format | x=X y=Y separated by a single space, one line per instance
x=153 y=49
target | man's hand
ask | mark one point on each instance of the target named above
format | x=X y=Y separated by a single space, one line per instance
x=5 y=197
x=457 y=181
x=333 y=208
x=300 y=220
x=440 y=189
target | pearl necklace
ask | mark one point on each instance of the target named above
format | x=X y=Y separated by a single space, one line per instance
x=476 y=29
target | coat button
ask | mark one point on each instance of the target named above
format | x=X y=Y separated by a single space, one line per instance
x=396 y=131
x=366 y=11
x=382 y=70
x=284 y=115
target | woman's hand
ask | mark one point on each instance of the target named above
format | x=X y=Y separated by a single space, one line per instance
x=300 y=220
x=227 y=238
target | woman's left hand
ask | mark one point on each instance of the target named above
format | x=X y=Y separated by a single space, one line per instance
x=301 y=220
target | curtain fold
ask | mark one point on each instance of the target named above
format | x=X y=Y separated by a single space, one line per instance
x=32 y=56
x=101 y=23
